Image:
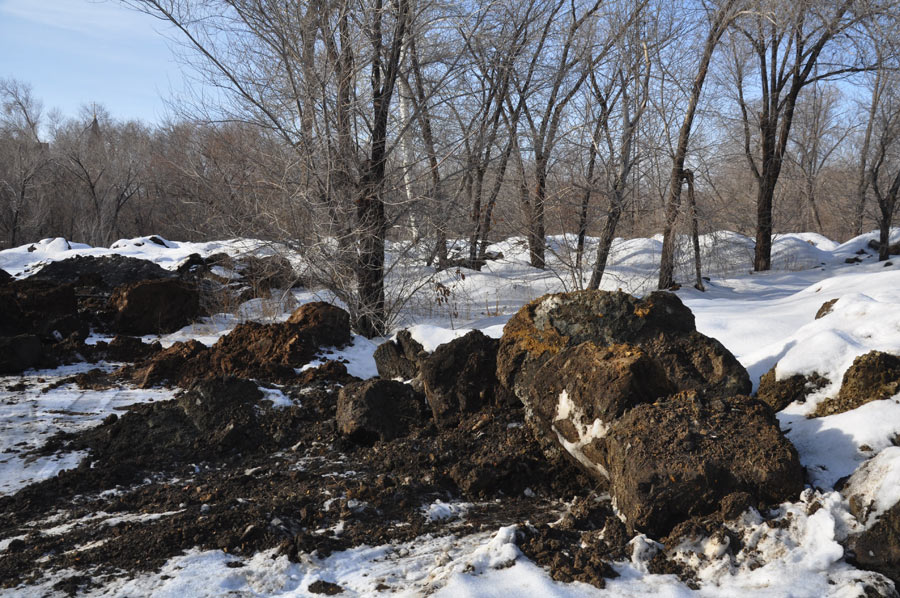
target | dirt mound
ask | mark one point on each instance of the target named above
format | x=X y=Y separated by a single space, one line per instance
x=271 y=352
x=126 y=348
x=35 y=307
x=875 y=545
x=20 y=352
x=5 y=277
x=630 y=391
x=460 y=376
x=400 y=358
x=264 y=351
x=679 y=458
x=154 y=306
x=326 y=324
x=376 y=409
x=778 y=394
x=289 y=491
x=108 y=271
x=872 y=377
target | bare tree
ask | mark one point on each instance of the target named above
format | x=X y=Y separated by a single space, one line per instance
x=784 y=42
x=817 y=133
x=322 y=76
x=625 y=95
x=105 y=163
x=568 y=63
x=884 y=163
x=719 y=18
x=23 y=157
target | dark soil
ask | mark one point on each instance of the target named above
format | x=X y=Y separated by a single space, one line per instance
x=265 y=483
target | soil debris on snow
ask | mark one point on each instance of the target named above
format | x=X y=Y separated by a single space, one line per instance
x=249 y=457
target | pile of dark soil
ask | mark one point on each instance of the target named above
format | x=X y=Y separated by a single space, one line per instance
x=227 y=470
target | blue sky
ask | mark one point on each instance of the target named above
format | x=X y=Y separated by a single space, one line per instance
x=74 y=52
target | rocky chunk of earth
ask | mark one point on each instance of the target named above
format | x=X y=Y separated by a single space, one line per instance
x=400 y=358
x=632 y=393
x=154 y=306
x=460 y=376
x=377 y=409
x=42 y=308
x=582 y=389
x=126 y=348
x=226 y=280
x=872 y=377
x=659 y=324
x=681 y=457
x=327 y=373
x=5 y=277
x=264 y=273
x=778 y=394
x=326 y=324
x=826 y=308
x=271 y=352
x=876 y=545
x=224 y=412
x=578 y=361
x=20 y=352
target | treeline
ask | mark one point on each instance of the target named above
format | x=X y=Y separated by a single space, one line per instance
x=339 y=124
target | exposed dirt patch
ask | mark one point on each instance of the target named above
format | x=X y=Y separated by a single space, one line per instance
x=233 y=473
x=872 y=377
x=778 y=394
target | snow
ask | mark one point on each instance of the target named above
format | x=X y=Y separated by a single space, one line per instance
x=31 y=416
x=876 y=485
x=830 y=447
x=440 y=510
x=766 y=319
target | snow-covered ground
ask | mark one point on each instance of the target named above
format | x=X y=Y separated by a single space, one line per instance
x=763 y=318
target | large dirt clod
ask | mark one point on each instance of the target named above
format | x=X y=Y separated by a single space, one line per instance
x=32 y=307
x=629 y=390
x=326 y=324
x=271 y=352
x=376 y=409
x=778 y=394
x=223 y=411
x=400 y=358
x=154 y=306
x=109 y=271
x=872 y=377
x=460 y=376
x=680 y=458
x=18 y=353
x=875 y=544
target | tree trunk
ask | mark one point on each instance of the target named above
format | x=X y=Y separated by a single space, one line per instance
x=884 y=236
x=585 y=204
x=370 y=316
x=606 y=240
x=536 y=232
x=673 y=199
x=762 y=259
x=695 y=231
